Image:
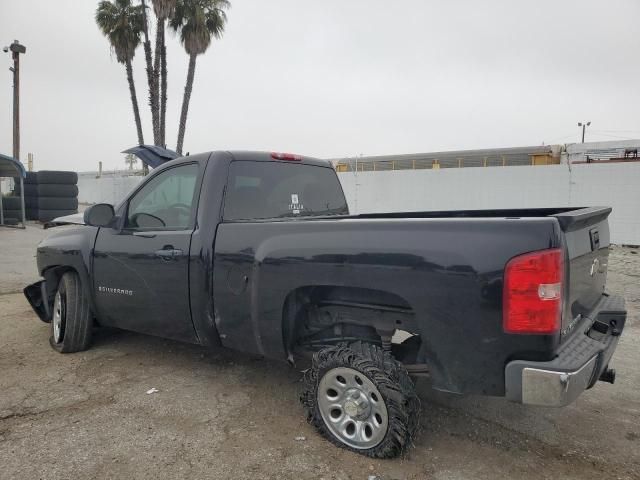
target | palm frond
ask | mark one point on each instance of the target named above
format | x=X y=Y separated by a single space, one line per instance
x=122 y=23
x=198 y=22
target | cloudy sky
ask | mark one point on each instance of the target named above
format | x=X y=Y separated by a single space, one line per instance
x=335 y=78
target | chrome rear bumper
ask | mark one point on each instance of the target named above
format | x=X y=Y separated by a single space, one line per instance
x=580 y=362
x=555 y=389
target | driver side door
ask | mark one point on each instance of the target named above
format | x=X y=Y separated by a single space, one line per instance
x=140 y=269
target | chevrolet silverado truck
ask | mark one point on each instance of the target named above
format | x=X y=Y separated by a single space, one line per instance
x=257 y=252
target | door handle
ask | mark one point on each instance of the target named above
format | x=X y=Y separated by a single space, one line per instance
x=168 y=253
x=144 y=234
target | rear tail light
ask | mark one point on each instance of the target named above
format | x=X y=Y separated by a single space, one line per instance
x=532 y=296
x=286 y=156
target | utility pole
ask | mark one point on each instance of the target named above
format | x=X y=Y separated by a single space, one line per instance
x=16 y=49
x=584 y=127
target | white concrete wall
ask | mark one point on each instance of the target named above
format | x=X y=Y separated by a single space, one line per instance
x=616 y=185
x=106 y=189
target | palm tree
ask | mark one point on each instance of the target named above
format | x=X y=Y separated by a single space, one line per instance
x=153 y=89
x=122 y=24
x=164 y=10
x=198 y=21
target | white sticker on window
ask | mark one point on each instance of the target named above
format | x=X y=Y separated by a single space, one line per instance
x=295 y=206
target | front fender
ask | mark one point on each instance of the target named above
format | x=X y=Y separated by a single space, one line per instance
x=65 y=250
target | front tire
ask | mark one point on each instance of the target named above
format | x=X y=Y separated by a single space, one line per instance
x=362 y=399
x=71 y=322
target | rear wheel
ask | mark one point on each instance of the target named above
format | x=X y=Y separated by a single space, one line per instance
x=362 y=399
x=71 y=322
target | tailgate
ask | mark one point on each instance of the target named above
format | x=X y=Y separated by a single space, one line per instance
x=586 y=233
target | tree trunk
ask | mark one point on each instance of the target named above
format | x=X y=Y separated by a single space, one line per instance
x=156 y=74
x=153 y=89
x=163 y=95
x=185 y=102
x=153 y=97
x=134 y=101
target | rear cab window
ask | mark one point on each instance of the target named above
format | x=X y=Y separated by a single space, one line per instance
x=266 y=190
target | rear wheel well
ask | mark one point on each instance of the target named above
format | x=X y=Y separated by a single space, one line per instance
x=316 y=317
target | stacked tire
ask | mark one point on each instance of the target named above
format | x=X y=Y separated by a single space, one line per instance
x=57 y=194
x=29 y=189
x=12 y=209
x=49 y=194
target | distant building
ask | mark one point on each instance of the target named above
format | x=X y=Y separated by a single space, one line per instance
x=595 y=152
x=591 y=152
x=495 y=157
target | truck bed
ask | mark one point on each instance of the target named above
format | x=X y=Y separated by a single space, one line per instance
x=445 y=268
x=566 y=215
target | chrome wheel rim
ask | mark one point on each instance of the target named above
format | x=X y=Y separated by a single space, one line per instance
x=57 y=318
x=352 y=408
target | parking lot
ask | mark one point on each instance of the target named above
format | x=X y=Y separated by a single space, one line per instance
x=219 y=414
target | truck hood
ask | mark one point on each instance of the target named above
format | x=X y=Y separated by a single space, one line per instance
x=73 y=219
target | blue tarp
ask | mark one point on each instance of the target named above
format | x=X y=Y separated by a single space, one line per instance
x=10 y=167
x=152 y=155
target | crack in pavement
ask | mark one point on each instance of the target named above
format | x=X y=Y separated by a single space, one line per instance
x=93 y=400
x=17 y=415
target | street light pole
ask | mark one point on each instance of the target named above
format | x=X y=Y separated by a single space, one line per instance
x=16 y=49
x=584 y=127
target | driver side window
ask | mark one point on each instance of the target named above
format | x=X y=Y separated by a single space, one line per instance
x=166 y=202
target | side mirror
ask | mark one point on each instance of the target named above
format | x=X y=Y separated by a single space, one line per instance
x=99 y=215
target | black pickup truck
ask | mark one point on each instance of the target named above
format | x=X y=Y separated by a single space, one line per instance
x=257 y=252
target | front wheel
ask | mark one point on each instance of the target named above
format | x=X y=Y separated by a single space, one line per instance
x=71 y=322
x=362 y=399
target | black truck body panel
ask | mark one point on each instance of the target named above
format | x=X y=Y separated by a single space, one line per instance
x=239 y=283
x=445 y=270
x=69 y=249
x=156 y=297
